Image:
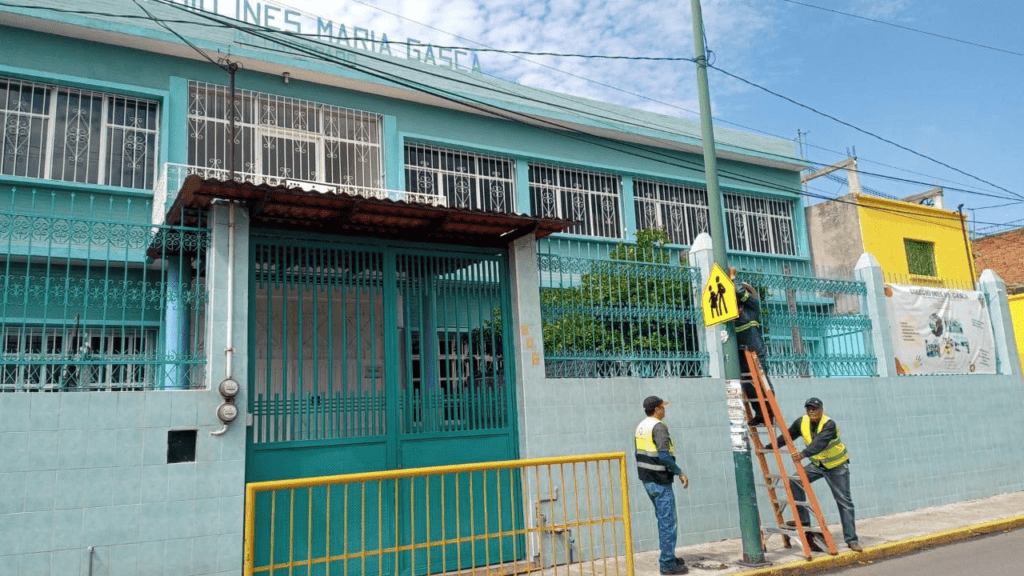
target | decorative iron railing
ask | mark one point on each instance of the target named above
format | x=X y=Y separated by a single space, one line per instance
x=929 y=281
x=619 y=310
x=812 y=326
x=172 y=177
x=94 y=303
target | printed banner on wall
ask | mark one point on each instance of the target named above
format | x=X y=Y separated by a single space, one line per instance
x=940 y=331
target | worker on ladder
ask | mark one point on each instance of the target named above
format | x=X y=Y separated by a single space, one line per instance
x=829 y=460
x=748 y=335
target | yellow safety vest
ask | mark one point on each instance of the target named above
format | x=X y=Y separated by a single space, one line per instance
x=649 y=466
x=834 y=454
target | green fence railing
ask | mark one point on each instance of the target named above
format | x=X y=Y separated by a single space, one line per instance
x=812 y=326
x=619 y=310
x=93 y=302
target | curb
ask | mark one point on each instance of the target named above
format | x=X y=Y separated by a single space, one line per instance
x=825 y=563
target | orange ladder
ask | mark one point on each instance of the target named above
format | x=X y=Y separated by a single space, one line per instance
x=772 y=419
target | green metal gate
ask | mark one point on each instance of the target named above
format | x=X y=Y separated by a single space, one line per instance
x=375 y=357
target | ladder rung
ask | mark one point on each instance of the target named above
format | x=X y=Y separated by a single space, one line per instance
x=786 y=501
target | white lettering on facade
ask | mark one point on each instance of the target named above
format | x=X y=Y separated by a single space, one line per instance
x=272 y=15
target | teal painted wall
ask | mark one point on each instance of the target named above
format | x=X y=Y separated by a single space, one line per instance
x=89 y=64
x=914 y=442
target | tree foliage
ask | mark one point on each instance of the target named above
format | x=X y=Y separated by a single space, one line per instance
x=637 y=303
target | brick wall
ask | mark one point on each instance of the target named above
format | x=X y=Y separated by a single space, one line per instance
x=1004 y=254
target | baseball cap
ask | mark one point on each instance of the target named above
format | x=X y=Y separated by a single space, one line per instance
x=813 y=403
x=652 y=402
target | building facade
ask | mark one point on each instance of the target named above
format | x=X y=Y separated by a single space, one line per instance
x=932 y=246
x=400 y=265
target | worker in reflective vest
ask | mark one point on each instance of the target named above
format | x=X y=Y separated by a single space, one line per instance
x=748 y=336
x=657 y=468
x=829 y=460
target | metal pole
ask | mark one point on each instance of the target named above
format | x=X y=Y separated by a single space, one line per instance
x=750 y=523
x=967 y=243
x=232 y=68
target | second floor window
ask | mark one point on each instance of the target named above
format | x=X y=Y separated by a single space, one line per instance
x=466 y=179
x=755 y=224
x=682 y=211
x=920 y=257
x=759 y=224
x=592 y=198
x=62 y=133
x=278 y=139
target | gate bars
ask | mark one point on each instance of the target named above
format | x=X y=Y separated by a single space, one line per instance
x=519 y=516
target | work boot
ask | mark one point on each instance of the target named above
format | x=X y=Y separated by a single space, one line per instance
x=855 y=546
x=679 y=569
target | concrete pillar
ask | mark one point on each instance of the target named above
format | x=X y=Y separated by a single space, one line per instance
x=1007 y=359
x=526 y=327
x=176 y=317
x=869 y=272
x=701 y=256
x=228 y=290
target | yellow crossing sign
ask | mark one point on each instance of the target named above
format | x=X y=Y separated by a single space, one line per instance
x=719 y=298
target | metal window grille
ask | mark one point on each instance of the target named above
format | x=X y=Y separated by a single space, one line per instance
x=95 y=303
x=466 y=179
x=920 y=257
x=592 y=198
x=73 y=350
x=75 y=135
x=284 y=138
x=759 y=224
x=682 y=211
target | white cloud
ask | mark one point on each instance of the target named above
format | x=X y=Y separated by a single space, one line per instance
x=604 y=27
x=887 y=10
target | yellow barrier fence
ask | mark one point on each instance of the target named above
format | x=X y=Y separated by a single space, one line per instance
x=560 y=515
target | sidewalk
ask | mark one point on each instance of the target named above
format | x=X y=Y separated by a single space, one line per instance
x=881 y=537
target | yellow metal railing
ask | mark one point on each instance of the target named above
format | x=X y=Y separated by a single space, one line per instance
x=536 y=515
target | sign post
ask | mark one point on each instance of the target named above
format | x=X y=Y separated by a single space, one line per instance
x=750 y=521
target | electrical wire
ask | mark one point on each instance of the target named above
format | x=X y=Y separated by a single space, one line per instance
x=491 y=109
x=861 y=130
x=908 y=28
x=180 y=37
x=511 y=52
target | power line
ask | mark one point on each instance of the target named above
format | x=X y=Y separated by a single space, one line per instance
x=861 y=130
x=267 y=34
x=908 y=28
x=180 y=37
x=512 y=52
x=508 y=115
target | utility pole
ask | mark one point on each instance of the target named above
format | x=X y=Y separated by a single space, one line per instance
x=750 y=523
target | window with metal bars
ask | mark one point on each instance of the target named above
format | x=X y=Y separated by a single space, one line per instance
x=681 y=211
x=466 y=179
x=591 y=198
x=278 y=138
x=758 y=224
x=62 y=133
x=755 y=224
x=67 y=357
x=920 y=257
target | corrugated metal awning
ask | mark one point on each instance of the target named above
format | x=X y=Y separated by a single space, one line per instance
x=339 y=213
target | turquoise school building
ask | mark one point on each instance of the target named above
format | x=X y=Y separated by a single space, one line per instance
x=232 y=254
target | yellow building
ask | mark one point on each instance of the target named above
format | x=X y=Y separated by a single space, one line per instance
x=1017 y=313
x=914 y=243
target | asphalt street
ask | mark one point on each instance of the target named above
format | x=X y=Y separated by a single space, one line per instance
x=992 y=555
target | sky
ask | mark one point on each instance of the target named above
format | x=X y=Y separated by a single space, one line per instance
x=949 y=100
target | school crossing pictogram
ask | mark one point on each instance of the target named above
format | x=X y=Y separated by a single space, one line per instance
x=718 y=298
